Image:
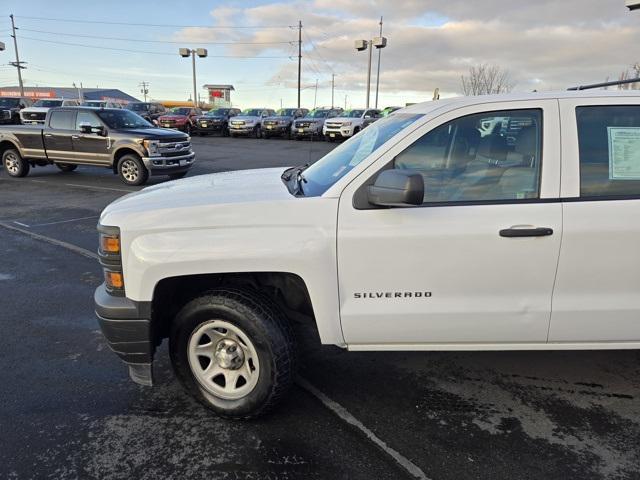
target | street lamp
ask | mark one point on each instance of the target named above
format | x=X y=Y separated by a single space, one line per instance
x=361 y=45
x=202 y=53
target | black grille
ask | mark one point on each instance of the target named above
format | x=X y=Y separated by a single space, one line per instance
x=5 y=114
x=35 y=115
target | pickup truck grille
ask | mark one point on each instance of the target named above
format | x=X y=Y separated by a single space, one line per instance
x=40 y=116
x=174 y=148
x=237 y=122
x=303 y=124
x=334 y=125
x=270 y=122
x=5 y=114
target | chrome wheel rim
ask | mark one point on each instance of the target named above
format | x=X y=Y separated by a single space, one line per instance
x=223 y=360
x=11 y=163
x=130 y=170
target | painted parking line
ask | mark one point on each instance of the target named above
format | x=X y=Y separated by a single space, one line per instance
x=60 y=221
x=347 y=417
x=91 y=187
x=341 y=412
x=59 y=243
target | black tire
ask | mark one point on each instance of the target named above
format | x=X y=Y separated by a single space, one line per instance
x=266 y=136
x=14 y=164
x=257 y=133
x=176 y=176
x=132 y=171
x=188 y=129
x=263 y=324
x=66 y=167
x=225 y=130
x=356 y=130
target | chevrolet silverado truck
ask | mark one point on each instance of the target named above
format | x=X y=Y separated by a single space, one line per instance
x=419 y=233
x=249 y=122
x=282 y=122
x=311 y=125
x=36 y=113
x=10 y=108
x=215 y=121
x=349 y=123
x=114 y=138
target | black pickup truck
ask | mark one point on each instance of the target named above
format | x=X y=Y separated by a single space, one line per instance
x=114 y=138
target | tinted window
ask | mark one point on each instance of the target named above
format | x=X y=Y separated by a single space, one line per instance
x=86 y=117
x=123 y=119
x=609 y=145
x=481 y=157
x=63 y=120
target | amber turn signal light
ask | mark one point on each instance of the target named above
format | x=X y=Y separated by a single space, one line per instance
x=113 y=280
x=110 y=245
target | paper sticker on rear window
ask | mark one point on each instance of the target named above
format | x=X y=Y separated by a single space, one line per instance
x=624 y=153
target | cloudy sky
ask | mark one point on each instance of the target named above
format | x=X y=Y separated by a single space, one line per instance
x=546 y=44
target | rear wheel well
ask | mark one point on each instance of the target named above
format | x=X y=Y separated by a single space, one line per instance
x=121 y=153
x=287 y=290
x=7 y=145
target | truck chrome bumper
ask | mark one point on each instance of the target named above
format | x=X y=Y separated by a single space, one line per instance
x=127 y=327
x=166 y=165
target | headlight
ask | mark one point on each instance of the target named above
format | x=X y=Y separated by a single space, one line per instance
x=151 y=146
x=109 y=252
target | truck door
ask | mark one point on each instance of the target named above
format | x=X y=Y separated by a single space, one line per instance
x=597 y=293
x=475 y=263
x=90 y=147
x=57 y=137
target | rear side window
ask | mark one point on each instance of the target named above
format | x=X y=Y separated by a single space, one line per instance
x=62 y=120
x=609 y=146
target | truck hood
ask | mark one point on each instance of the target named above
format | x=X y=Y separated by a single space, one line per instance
x=36 y=109
x=246 y=118
x=172 y=117
x=203 y=192
x=345 y=119
x=154 y=133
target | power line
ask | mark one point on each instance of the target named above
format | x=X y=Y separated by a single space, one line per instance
x=151 y=41
x=99 y=47
x=317 y=52
x=70 y=20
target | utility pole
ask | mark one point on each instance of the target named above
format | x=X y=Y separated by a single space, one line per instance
x=202 y=53
x=315 y=95
x=144 y=90
x=345 y=102
x=299 y=57
x=17 y=63
x=378 y=75
x=333 y=85
x=369 y=72
x=195 y=89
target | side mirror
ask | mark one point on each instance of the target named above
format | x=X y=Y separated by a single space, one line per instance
x=395 y=188
x=86 y=128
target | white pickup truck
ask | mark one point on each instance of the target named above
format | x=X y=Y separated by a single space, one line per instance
x=349 y=123
x=476 y=223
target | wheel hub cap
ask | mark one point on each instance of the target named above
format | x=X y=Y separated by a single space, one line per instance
x=229 y=354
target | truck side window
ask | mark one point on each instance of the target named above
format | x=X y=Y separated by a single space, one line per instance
x=87 y=117
x=481 y=157
x=62 y=120
x=609 y=149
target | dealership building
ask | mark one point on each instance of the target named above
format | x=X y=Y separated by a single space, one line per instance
x=109 y=94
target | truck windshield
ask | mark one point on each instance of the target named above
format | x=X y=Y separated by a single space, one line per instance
x=319 y=113
x=118 y=119
x=220 y=112
x=180 y=111
x=9 y=102
x=252 y=112
x=333 y=166
x=138 y=107
x=286 y=112
x=353 y=113
x=48 y=103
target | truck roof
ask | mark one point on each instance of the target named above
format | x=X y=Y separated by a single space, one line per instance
x=429 y=106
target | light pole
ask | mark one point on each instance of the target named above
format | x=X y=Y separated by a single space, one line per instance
x=202 y=53
x=361 y=45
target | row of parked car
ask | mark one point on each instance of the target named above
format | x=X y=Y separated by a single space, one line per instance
x=328 y=123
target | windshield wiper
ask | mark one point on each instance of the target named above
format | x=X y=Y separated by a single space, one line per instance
x=293 y=178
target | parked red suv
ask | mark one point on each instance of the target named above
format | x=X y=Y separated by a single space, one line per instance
x=180 y=118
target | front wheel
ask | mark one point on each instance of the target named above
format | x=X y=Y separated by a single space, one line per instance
x=14 y=164
x=234 y=352
x=132 y=171
x=66 y=167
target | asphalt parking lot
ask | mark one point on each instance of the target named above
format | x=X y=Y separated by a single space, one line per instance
x=70 y=411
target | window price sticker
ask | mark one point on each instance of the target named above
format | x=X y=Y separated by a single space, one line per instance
x=624 y=153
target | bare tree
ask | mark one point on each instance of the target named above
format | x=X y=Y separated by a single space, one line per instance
x=628 y=75
x=486 y=79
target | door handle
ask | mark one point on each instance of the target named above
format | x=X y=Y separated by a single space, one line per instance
x=75 y=137
x=526 y=232
x=48 y=134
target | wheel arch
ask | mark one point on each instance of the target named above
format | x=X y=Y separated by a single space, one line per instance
x=287 y=290
x=6 y=144
x=121 y=152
